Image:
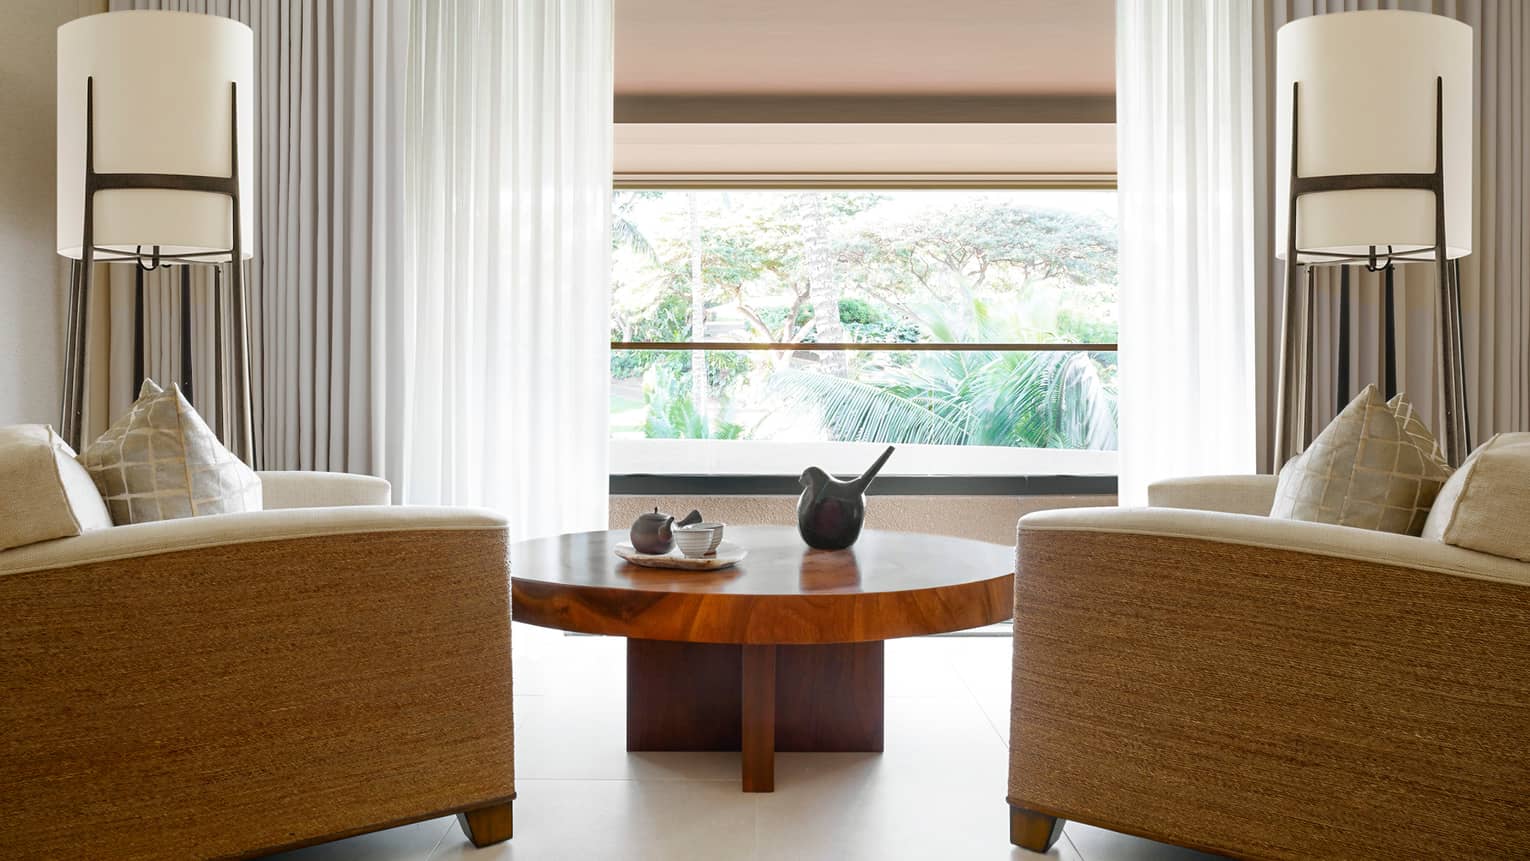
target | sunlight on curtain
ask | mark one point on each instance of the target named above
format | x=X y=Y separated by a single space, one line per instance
x=497 y=341
x=1185 y=105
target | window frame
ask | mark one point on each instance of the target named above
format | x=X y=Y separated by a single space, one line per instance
x=775 y=484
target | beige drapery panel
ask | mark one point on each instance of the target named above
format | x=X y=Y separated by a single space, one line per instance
x=329 y=213
x=110 y=387
x=1495 y=277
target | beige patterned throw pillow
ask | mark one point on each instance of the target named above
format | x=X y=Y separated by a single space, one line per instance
x=1485 y=506
x=1376 y=466
x=161 y=461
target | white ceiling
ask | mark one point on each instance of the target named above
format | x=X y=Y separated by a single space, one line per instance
x=865 y=47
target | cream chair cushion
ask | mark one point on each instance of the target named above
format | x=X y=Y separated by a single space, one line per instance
x=281 y=489
x=44 y=492
x=1485 y=506
x=161 y=461
x=1376 y=466
x=1232 y=494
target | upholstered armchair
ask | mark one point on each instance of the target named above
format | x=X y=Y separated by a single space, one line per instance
x=235 y=684
x=1199 y=674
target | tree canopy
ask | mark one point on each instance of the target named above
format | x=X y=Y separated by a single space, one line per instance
x=788 y=267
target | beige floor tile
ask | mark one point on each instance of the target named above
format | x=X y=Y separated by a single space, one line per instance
x=408 y=843
x=997 y=712
x=548 y=662
x=913 y=669
x=936 y=792
x=984 y=666
x=849 y=806
x=585 y=738
x=1097 y=844
x=616 y=819
x=932 y=742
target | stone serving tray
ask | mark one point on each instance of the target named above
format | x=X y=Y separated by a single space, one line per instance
x=727 y=555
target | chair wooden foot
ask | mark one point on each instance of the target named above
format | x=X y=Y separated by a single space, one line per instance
x=488 y=825
x=1034 y=831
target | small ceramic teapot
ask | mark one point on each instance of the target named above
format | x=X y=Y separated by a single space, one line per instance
x=651 y=532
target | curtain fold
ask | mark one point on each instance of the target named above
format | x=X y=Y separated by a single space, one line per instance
x=430 y=286
x=1495 y=277
x=502 y=336
x=1186 y=101
x=328 y=218
x=329 y=226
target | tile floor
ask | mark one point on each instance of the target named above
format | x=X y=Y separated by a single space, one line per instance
x=936 y=793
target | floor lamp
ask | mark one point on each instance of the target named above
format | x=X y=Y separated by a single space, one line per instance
x=1374 y=169
x=154 y=166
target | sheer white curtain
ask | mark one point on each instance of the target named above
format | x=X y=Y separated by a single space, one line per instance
x=1191 y=234
x=497 y=337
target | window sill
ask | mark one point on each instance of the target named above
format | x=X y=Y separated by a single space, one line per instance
x=887 y=485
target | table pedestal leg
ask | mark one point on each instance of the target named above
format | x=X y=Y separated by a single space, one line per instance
x=759 y=719
x=754 y=699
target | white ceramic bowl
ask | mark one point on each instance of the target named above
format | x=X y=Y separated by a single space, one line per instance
x=698 y=539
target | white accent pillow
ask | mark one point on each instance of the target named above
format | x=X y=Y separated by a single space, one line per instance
x=1485 y=506
x=1375 y=466
x=161 y=461
x=44 y=492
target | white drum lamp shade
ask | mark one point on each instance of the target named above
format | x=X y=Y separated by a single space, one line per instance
x=162 y=104
x=1368 y=105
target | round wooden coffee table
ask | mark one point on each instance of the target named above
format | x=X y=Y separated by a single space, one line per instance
x=782 y=652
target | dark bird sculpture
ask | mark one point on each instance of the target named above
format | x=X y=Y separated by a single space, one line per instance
x=830 y=512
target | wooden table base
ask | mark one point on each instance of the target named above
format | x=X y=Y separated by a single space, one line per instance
x=754 y=699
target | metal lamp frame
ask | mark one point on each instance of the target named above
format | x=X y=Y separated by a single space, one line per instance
x=1294 y=406
x=235 y=414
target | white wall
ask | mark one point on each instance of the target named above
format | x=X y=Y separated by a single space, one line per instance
x=32 y=297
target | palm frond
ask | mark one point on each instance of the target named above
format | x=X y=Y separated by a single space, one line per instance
x=1086 y=406
x=624 y=231
x=853 y=411
x=1056 y=400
